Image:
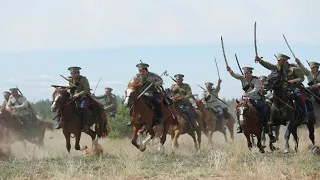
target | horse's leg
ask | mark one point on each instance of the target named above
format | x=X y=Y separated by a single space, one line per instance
x=310 y=126
x=175 y=133
x=67 y=136
x=193 y=135
x=263 y=138
x=296 y=138
x=210 y=134
x=277 y=132
x=261 y=148
x=223 y=130
x=134 y=136
x=163 y=137
x=198 y=131
x=287 y=137
x=230 y=126
x=248 y=140
x=150 y=136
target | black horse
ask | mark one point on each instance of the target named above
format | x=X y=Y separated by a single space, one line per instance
x=283 y=110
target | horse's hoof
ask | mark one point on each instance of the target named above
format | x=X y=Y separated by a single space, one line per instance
x=83 y=148
x=142 y=148
x=161 y=149
x=262 y=151
x=263 y=147
x=286 y=151
x=296 y=150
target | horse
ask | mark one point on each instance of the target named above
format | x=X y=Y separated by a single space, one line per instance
x=249 y=122
x=213 y=124
x=16 y=132
x=313 y=111
x=142 y=117
x=71 y=122
x=283 y=110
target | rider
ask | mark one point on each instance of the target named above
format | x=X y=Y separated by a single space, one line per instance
x=313 y=75
x=294 y=77
x=153 y=94
x=267 y=93
x=6 y=95
x=211 y=101
x=111 y=103
x=252 y=88
x=19 y=106
x=80 y=88
x=181 y=94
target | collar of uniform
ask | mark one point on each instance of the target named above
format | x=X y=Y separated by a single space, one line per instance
x=315 y=73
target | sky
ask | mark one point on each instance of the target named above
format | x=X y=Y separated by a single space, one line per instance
x=40 y=39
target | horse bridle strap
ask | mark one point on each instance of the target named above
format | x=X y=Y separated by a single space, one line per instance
x=286 y=103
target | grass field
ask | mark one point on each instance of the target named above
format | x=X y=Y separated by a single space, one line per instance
x=123 y=161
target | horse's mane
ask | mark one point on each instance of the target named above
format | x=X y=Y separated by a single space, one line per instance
x=250 y=106
x=135 y=84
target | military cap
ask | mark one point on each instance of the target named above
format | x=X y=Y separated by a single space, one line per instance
x=108 y=89
x=141 y=66
x=13 y=89
x=6 y=92
x=208 y=84
x=282 y=56
x=247 y=69
x=179 y=76
x=74 y=69
x=314 y=64
x=263 y=78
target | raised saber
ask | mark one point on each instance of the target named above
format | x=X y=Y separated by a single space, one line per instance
x=97 y=85
x=215 y=60
x=285 y=39
x=255 y=40
x=224 y=53
x=235 y=55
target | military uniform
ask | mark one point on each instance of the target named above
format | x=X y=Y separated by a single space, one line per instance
x=295 y=74
x=313 y=77
x=6 y=96
x=81 y=91
x=111 y=103
x=153 y=94
x=253 y=90
x=211 y=101
x=22 y=110
x=181 y=95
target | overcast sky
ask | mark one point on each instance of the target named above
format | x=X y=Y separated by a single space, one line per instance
x=40 y=39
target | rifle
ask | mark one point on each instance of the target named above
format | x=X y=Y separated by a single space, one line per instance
x=29 y=105
x=180 y=90
x=215 y=96
x=68 y=81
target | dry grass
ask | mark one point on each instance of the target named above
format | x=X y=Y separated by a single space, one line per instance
x=123 y=161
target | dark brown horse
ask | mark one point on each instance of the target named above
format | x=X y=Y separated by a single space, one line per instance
x=142 y=117
x=34 y=135
x=249 y=122
x=71 y=122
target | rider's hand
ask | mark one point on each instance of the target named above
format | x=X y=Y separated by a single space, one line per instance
x=219 y=81
x=13 y=108
x=245 y=95
x=315 y=86
x=298 y=61
x=228 y=68
x=257 y=59
x=93 y=95
x=291 y=81
x=76 y=95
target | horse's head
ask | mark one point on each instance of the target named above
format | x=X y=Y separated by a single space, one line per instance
x=243 y=109
x=274 y=81
x=132 y=92
x=200 y=104
x=60 y=98
x=4 y=114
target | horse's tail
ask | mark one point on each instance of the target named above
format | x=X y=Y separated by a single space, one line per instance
x=103 y=128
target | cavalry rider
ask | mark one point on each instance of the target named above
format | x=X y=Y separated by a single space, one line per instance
x=252 y=88
x=153 y=94
x=267 y=93
x=294 y=76
x=80 y=88
x=6 y=96
x=211 y=101
x=19 y=106
x=181 y=94
x=111 y=103
x=313 y=74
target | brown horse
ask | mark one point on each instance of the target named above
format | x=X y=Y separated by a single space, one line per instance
x=249 y=122
x=212 y=123
x=142 y=117
x=35 y=135
x=71 y=122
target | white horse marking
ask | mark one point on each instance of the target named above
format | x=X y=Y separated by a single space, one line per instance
x=241 y=118
x=128 y=93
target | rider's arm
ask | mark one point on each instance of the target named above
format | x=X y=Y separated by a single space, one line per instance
x=158 y=80
x=217 y=89
x=86 y=87
x=268 y=95
x=23 y=104
x=188 y=92
x=99 y=97
x=237 y=76
x=257 y=87
x=9 y=104
x=299 y=74
x=114 y=102
x=304 y=69
x=268 y=65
